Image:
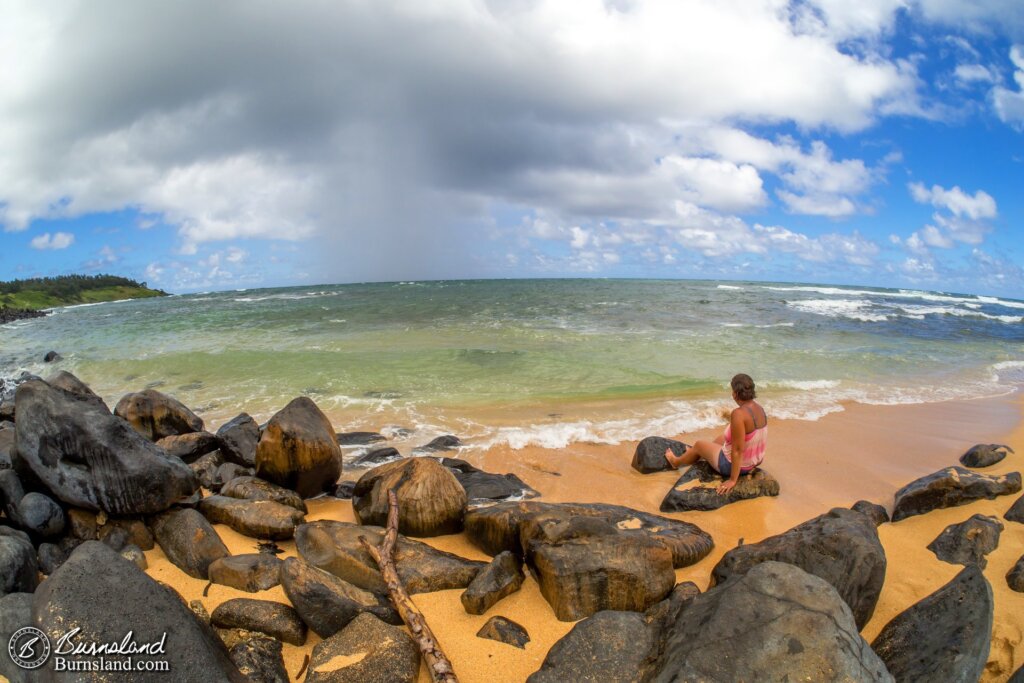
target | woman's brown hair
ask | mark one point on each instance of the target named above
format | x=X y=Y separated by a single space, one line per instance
x=743 y=387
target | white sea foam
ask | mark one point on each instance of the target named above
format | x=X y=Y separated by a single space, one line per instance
x=838 y=308
x=728 y=287
x=919 y=312
x=284 y=297
x=1001 y=302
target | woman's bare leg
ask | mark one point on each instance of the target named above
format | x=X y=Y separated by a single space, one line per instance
x=701 y=449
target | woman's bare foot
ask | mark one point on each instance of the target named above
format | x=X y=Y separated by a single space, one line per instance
x=670 y=458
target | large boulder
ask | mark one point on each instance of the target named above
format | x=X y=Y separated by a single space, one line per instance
x=91 y=459
x=298 y=450
x=155 y=415
x=189 y=447
x=19 y=568
x=105 y=596
x=365 y=651
x=497 y=527
x=254 y=488
x=1016 y=511
x=502 y=577
x=255 y=518
x=589 y=558
x=1015 y=577
x=335 y=547
x=431 y=501
x=189 y=541
x=969 y=541
x=700 y=491
x=239 y=438
x=33 y=512
x=251 y=572
x=984 y=455
x=260 y=659
x=264 y=616
x=71 y=384
x=944 y=637
x=775 y=623
x=649 y=455
x=485 y=487
x=950 y=487
x=840 y=546
x=326 y=603
x=447 y=442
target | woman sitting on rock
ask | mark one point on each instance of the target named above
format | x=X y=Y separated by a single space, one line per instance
x=744 y=440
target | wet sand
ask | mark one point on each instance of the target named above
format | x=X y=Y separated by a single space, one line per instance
x=865 y=452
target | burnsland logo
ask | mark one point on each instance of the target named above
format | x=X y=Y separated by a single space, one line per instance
x=29 y=648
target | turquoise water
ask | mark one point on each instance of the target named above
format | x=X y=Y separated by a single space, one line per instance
x=534 y=361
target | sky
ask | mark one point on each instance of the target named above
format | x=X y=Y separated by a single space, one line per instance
x=247 y=143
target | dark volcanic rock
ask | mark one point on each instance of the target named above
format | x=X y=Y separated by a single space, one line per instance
x=344 y=490
x=251 y=573
x=238 y=439
x=359 y=438
x=502 y=577
x=1015 y=577
x=775 y=623
x=589 y=558
x=134 y=554
x=504 y=631
x=82 y=524
x=969 y=541
x=155 y=415
x=389 y=655
x=189 y=541
x=260 y=659
x=272 y=618
x=52 y=357
x=609 y=647
x=702 y=494
x=984 y=455
x=38 y=514
x=19 y=569
x=15 y=613
x=115 y=538
x=945 y=636
x=254 y=518
x=228 y=472
x=950 y=487
x=1016 y=511
x=298 y=450
x=50 y=557
x=377 y=456
x=448 y=442
x=136 y=531
x=91 y=459
x=334 y=547
x=205 y=469
x=497 y=527
x=431 y=502
x=189 y=447
x=254 y=488
x=841 y=547
x=7 y=439
x=326 y=603
x=650 y=454
x=876 y=512
x=73 y=385
x=104 y=596
x=483 y=486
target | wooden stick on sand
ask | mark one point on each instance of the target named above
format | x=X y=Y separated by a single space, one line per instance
x=438 y=665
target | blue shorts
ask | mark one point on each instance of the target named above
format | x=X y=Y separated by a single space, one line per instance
x=725 y=467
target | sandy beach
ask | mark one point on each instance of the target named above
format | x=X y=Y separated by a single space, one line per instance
x=864 y=452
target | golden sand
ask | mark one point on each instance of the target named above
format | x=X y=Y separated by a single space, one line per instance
x=864 y=452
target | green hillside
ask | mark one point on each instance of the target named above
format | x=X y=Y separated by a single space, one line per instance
x=66 y=290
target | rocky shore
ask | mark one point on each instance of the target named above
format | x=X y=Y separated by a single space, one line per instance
x=245 y=548
x=9 y=315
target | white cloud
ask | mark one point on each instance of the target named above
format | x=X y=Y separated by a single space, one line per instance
x=976 y=206
x=58 y=240
x=970 y=74
x=1009 y=102
x=817 y=205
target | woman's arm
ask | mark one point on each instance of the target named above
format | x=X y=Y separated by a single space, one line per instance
x=739 y=442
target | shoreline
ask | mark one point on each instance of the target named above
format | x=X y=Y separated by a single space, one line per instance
x=871 y=452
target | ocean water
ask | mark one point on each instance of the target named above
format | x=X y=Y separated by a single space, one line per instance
x=545 y=362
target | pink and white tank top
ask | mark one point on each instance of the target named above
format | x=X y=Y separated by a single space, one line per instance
x=755 y=444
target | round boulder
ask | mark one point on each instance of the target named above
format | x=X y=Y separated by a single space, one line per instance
x=156 y=415
x=431 y=501
x=298 y=449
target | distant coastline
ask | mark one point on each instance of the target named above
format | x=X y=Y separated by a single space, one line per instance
x=21 y=299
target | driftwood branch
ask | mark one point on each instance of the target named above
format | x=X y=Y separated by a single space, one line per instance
x=438 y=664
